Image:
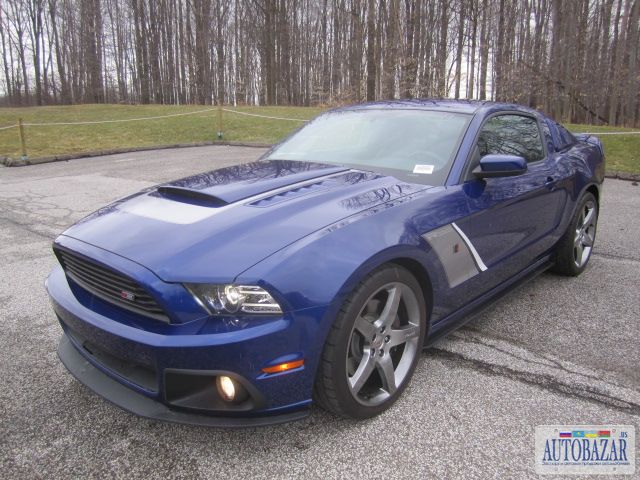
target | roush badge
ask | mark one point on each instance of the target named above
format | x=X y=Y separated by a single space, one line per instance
x=585 y=449
x=128 y=295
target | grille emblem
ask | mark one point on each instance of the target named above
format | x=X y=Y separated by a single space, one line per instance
x=128 y=295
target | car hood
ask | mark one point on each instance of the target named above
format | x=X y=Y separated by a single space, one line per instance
x=212 y=226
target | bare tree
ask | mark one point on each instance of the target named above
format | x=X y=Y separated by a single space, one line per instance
x=577 y=60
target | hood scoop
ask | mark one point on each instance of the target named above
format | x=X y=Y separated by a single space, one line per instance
x=238 y=182
x=188 y=195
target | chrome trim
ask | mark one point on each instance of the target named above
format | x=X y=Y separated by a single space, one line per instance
x=472 y=249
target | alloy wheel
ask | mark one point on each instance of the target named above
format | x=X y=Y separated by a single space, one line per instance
x=383 y=344
x=585 y=233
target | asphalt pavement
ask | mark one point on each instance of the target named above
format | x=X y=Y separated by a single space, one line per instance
x=556 y=351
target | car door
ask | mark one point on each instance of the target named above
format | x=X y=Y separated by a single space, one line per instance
x=512 y=220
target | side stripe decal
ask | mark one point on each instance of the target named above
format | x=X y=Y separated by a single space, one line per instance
x=472 y=249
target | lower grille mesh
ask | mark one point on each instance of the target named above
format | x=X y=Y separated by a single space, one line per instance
x=110 y=285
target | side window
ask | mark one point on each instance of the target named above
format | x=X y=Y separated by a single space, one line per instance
x=511 y=135
x=566 y=138
x=548 y=137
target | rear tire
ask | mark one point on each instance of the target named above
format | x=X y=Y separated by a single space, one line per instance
x=575 y=247
x=373 y=346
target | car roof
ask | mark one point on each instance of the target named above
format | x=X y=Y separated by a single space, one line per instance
x=450 y=105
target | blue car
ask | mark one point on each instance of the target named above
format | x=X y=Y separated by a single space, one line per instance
x=241 y=296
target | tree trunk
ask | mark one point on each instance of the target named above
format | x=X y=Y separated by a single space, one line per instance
x=461 y=20
x=472 y=55
x=484 y=51
x=441 y=57
x=371 y=51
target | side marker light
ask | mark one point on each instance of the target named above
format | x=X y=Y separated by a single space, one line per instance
x=283 y=367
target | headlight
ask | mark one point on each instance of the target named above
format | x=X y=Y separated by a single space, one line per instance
x=221 y=299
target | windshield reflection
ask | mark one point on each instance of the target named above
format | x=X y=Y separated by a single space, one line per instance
x=412 y=142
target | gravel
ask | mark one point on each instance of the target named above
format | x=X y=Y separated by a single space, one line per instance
x=556 y=351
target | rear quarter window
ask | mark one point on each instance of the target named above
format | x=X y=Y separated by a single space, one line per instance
x=564 y=138
x=547 y=136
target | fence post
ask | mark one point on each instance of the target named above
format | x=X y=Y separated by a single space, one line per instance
x=23 y=142
x=220 y=133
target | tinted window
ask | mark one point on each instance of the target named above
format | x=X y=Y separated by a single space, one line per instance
x=548 y=137
x=566 y=139
x=414 y=145
x=511 y=135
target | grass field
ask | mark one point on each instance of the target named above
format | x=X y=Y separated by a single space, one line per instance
x=623 y=151
x=45 y=141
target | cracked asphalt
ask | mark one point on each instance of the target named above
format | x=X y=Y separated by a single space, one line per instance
x=556 y=351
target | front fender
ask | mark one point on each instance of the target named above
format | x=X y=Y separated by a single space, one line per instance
x=418 y=256
x=322 y=269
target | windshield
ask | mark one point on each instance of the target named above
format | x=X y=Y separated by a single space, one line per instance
x=414 y=145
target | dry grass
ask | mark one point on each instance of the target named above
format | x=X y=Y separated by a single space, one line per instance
x=623 y=151
x=44 y=141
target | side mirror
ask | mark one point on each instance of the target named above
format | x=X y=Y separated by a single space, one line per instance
x=500 y=166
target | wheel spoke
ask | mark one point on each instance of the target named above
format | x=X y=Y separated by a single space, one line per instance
x=588 y=219
x=579 y=249
x=587 y=240
x=387 y=374
x=363 y=372
x=365 y=327
x=390 y=310
x=402 y=335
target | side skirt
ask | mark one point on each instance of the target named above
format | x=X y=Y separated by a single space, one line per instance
x=470 y=311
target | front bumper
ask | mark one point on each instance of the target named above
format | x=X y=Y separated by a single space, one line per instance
x=143 y=406
x=134 y=364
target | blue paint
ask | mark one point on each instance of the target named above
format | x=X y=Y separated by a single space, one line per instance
x=502 y=163
x=309 y=245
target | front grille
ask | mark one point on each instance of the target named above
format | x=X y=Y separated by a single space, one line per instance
x=142 y=375
x=110 y=286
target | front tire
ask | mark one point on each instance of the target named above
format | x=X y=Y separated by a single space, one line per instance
x=373 y=346
x=574 y=249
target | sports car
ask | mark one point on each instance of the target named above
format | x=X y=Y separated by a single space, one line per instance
x=320 y=272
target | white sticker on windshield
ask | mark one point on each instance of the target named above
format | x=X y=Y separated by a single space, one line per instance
x=428 y=169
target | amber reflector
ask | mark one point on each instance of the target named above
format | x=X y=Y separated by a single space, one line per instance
x=283 y=367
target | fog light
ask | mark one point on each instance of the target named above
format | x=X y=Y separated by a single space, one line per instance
x=230 y=390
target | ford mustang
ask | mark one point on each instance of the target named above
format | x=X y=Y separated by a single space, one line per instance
x=319 y=273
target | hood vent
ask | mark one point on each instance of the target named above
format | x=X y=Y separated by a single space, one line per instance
x=294 y=193
x=348 y=178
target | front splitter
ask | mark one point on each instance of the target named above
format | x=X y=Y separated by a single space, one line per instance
x=138 y=404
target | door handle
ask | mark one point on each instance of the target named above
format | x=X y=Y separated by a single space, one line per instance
x=550 y=182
